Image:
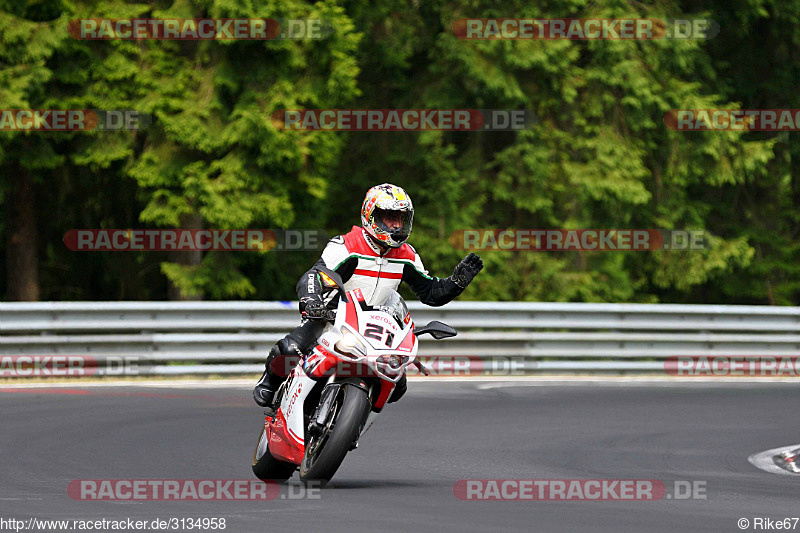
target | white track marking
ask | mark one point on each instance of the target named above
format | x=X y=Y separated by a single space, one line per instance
x=636 y=382
x=763 y=460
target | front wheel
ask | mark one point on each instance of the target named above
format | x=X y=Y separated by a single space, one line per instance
x=325 y=451
x=266 y=467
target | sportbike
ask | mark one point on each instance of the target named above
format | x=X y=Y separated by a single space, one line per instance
x=333 y=395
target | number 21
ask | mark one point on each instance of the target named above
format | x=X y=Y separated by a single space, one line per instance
x=374 y=331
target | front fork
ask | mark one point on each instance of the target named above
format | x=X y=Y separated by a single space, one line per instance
x=324 y=411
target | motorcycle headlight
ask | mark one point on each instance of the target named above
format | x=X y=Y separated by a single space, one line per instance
x=350 y=344
x=393 y=361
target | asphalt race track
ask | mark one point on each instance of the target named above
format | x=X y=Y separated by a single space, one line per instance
x=402 y=476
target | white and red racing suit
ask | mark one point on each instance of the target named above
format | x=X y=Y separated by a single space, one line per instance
x=362 y=264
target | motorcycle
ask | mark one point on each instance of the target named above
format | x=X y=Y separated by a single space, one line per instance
x=333 y=395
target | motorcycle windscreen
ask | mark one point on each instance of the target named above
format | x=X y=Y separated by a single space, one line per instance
x=394 y=305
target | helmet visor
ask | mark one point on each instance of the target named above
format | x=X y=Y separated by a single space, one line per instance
x=395 y=223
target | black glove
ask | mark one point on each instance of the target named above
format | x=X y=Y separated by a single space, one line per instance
x=314 y=308
x=467 y=269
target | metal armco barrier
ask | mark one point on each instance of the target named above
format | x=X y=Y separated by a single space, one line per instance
x=234 y=337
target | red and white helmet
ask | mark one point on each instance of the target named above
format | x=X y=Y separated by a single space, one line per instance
x=380 y=201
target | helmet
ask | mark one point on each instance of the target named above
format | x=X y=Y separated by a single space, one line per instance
x=382 y=200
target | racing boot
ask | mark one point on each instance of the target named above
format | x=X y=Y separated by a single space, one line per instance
x=275 y=371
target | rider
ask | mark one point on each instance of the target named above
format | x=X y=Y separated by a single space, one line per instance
x=374 y=258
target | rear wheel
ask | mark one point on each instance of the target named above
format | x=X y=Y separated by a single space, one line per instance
x=266 y=467
x=326 y=450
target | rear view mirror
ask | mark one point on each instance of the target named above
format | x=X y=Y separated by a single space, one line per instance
x=438 y=330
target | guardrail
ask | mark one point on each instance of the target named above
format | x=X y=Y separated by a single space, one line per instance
x=234 y=337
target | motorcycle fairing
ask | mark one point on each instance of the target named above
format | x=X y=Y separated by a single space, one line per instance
x=286 y=430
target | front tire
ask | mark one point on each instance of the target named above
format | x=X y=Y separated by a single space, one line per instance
x=266 y=467
x=325 y=452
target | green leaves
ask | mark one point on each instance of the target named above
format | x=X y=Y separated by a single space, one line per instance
x=599 y=156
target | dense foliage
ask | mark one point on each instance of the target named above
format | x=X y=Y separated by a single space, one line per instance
x=600 y=155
